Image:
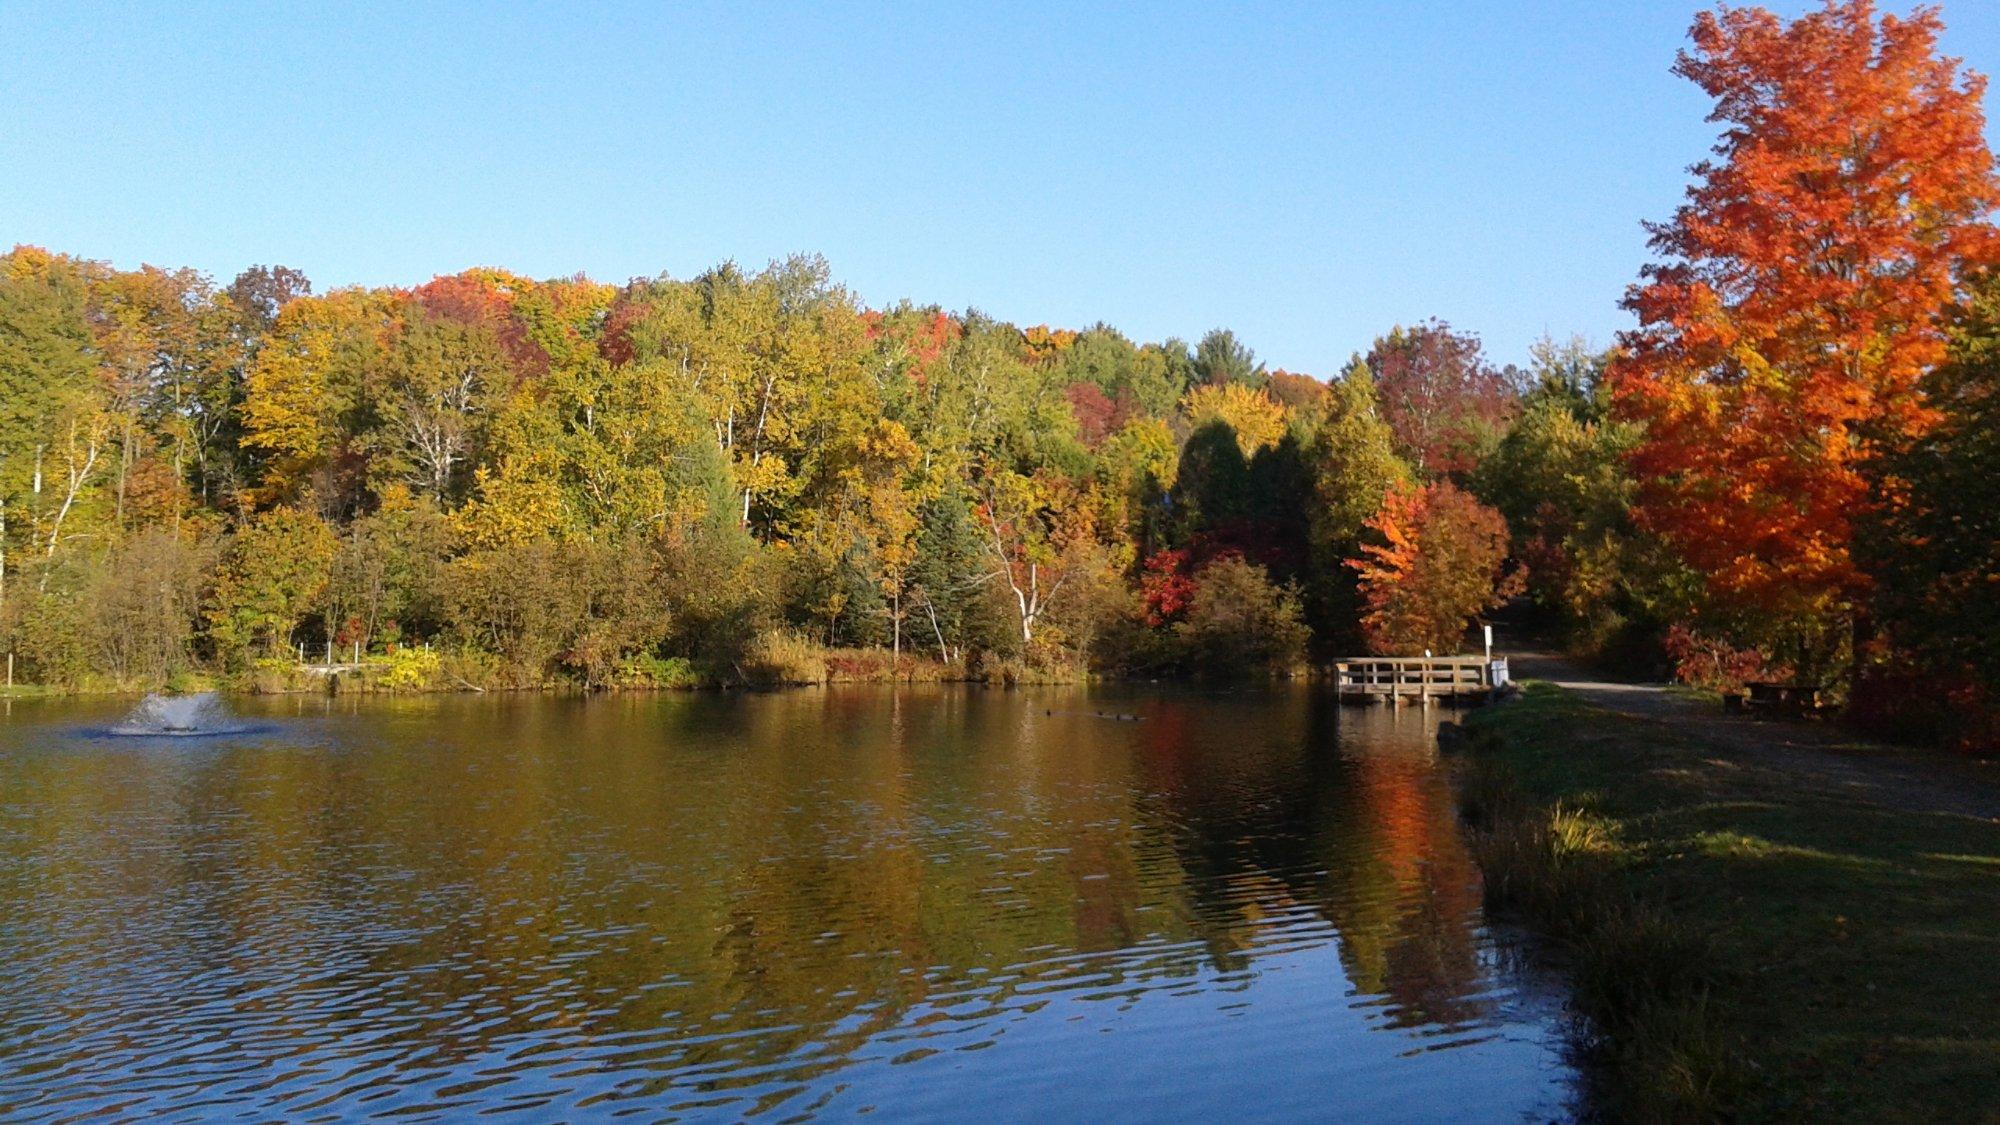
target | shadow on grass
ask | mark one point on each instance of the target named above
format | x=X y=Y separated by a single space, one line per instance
x=1743 y=944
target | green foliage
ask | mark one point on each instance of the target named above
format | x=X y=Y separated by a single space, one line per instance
x=45 y=357
x=1354 y=465
x=566 y=481
x=1934 y=554
x=273 y=573
x=1145 y=378
x=1560 y=477
x=388 y=579
x=645 y=670
x=1212 y=484
x=1241 y=623
x=950 y=573
x=1221 y=359
x=719 y=586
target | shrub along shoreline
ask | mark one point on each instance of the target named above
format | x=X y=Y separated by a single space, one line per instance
x=786 y=661
x=1741 y=946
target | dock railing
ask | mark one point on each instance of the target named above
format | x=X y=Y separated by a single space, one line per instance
x=1412 y=679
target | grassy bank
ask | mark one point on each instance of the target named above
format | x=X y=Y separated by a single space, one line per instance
x=1743 y=948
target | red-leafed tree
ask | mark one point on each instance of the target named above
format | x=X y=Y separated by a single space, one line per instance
x=1444 y=403
x=1166 y=588
x=1798 y=300
x=1440 y=562
x=1097 y=416
x=484 y=298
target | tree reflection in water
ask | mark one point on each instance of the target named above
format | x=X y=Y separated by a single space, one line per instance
x=717 y=903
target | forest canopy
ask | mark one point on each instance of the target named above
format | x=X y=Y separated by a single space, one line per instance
x=1784 y=471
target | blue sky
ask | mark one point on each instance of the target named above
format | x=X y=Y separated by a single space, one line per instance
x=1305 y=174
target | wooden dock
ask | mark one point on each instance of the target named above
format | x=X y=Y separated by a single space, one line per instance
x=1419 y=679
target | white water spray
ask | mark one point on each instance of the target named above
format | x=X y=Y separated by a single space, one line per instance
x=178 y=716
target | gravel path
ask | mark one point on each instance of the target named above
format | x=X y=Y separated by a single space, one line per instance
x=1817 y=754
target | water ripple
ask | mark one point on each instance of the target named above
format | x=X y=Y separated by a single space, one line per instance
x=934 y=902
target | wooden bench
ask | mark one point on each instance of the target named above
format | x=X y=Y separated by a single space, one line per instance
x=1773 y=698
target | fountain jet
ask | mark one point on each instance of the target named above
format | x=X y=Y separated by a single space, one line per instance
x=178 y=716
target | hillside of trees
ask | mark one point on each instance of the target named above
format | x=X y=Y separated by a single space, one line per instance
x=707 y=480
x=1785 y=471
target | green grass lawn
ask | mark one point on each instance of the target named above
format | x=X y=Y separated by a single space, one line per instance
x=1796 y=955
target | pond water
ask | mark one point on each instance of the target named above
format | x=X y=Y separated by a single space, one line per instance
x=938 y=903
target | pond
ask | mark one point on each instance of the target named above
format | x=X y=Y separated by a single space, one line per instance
x=932 y=903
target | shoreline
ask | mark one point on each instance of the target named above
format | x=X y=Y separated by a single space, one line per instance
x=1741 y=943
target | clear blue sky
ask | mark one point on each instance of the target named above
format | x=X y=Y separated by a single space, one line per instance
x=1307 y=175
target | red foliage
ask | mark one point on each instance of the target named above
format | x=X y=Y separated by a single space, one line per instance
x=615 y=342
x=923 y=342
x=1166 y=588
x=1439 y=395
x=1097 y=416
x=1714 y=665
x=1903 y=703
x=485 y=298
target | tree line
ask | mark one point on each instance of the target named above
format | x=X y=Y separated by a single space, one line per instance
x=683 y=480
x=1784 y=471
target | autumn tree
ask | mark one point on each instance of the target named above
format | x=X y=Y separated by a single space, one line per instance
x=260 y=293
x=1445 y=404
x=45 y=367
x=1353 y=462
x=1136 y=467
x=1034 y=526
x=1297 y=393
x=273 y=575
x=302 y=390
x=1437 y=564
x=1798 y=302
x=432 y=387
x=1237 y=621
x=1252 y=416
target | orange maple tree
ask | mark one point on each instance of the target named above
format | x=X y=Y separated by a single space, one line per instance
x=1799 y=296
x=1439 y=563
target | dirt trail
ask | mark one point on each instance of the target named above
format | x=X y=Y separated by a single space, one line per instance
x=1820 y=755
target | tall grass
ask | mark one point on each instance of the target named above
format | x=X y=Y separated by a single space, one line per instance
x=1641 y=979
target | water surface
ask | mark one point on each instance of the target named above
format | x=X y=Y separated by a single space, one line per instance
x=918 y=904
